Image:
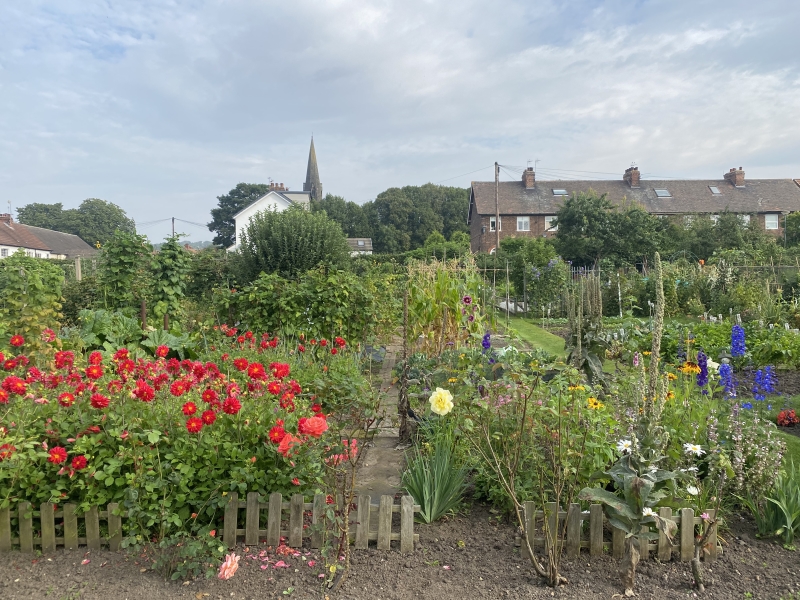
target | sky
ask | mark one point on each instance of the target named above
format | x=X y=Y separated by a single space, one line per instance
x=160 y=106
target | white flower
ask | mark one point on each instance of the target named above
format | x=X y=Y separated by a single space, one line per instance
x=441 y=402
x=693 y=449
x=693 y=491
x=692 y=469
x=648 y=512
x=712 y=366
x=624 y=446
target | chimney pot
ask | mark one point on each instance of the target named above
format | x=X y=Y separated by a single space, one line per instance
x=631 y=176
x=735 y=177
x=5 y=218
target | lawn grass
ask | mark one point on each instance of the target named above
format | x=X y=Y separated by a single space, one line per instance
x=538 y=337
x=792 y=448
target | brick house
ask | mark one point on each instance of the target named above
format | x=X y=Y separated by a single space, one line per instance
x=528 y=207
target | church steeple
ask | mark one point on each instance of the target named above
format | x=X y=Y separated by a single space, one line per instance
x=312 y=183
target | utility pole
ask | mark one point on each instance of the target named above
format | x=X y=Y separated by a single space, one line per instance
x=497 y=207
x=173 y=226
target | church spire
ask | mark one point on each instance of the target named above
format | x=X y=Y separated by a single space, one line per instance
x=312 y=183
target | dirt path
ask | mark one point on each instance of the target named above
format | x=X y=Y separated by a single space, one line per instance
x=383 y=463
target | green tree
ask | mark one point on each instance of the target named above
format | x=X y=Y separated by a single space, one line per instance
x=94 y=221
x=170 y=269
x=125 y=270
x=289 y=243
x=222 y=222
x=349 y=215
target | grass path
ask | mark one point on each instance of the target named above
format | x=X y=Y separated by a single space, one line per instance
x=538 y=337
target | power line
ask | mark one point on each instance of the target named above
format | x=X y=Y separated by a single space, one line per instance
x=464 y=174
x=203 y=225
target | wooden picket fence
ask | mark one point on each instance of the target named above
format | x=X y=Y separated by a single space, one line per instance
x=305 y=521
x=597 y=543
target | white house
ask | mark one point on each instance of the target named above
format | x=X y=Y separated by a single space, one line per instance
x=277 y=199
x=38 y=242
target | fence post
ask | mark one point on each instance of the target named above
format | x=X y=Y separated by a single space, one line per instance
x=48 y=523
x=78 y=268
x=25 y=527
x=230 y=520
x=362 y=526
x=274 y=519
x=687 y=534
x=114 y=527
x=573 y=530
x=5 y=530
x=70 y=527
x=617 y=542
x=385 y=523
x=596 y=530
x=530 y=525
x=251 y=519
x=92 y=520
x=317 y=520
x=712 y=537
x=296 y=521
x=406 y=524
x=664 y=546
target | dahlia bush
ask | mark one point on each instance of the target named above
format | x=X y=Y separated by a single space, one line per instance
x=169 y=439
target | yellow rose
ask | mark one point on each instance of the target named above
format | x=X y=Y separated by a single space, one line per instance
x=441 y=402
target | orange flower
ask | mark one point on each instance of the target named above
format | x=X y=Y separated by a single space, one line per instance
x=229 y=567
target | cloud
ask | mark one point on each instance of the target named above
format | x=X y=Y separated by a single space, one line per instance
x=160 y=107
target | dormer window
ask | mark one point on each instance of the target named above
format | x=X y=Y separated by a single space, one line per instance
x=559 y=192
x=662 y=193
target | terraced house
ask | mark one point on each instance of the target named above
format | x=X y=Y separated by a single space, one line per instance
x=529 y=207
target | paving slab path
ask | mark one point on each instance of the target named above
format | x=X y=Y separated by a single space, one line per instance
x=379 y=473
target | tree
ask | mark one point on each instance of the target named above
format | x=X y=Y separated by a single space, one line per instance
x=352 y=217
x=94 y=221
x=231 y=203
x=591 y=228
x=289 y=243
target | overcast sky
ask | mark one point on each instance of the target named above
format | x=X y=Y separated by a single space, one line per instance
x=161 y=105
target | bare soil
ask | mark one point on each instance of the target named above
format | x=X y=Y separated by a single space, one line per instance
x=470 y=556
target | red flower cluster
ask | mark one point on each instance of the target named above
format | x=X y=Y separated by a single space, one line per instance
x=788 y=418
x=17 y=341
x=6 y=450
x=14 y=385
x=57 y=455
x=99 y=401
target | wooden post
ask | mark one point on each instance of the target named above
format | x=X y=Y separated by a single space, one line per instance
x=712 y=537
x=296 y=521
x=231 y=519
x=402 y=398
x=317 y=520
x=5 y=530
x=48 y=523
x=78 y=274
x=251 y=519
x=551 y=534
x=617 y=542
x=596 y=530
x=385 y=523
x=406 y=524
x=114 y=527
x=644 y=544
x=70 y=527
x=92 y=520
x=166 y=322
x=143 y=314
x=664 y=547
x=530 y=525
x=274 y=519
x=25 y=527
x=573 y=531
x=687 y=534
x=362 y=525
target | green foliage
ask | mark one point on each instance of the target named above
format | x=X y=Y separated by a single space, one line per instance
x=170 y=270
x=78 y=296
x=536 y=270
x=30 y=298
x=94 y=221
x=290 y=242
x=124 y=270
x=320 y=304
x=779 y=512
x=433 y=476
x=208 y=269
x=183 y=555
x=351 y=216
x=231 y=203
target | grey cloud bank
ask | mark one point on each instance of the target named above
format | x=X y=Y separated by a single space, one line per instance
x=162 y=106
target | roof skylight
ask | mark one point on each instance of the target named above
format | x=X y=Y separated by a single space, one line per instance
x=662 y=193
x=559 y=192
x=714 y=190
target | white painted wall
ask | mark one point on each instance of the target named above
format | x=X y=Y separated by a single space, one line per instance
x=6 y=251
x=271 y=201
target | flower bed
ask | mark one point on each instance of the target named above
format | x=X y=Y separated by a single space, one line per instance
x=167 y=439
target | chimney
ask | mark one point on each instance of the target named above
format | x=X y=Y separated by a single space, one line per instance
x=529 y=178
x=631 y=176
x=6 y=218
x=736 y=177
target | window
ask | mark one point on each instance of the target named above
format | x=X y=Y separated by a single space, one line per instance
x=493 y=224
x=523 y=223
x=744 y=219
x=360 y=242
x=559 y=192
x=4 y=252
x=714 y=190
x=688 y=220
x=38 y=255
x=550 y=224
x=771 y=221
x=662 y=193
x=714 y=219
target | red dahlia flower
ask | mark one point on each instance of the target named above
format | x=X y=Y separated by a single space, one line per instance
x=16 y=341
x=179 y=387
x=316 y=408
x=143 y=391
x=95 y=358
x=64 y=359
x=66 y=399
x=10 y=364
x=240 y=363
x=57 y=455
x=231 y=406
x=4 y=397
x=295 y=387
x=256 y=371
x=162 y=351
x=173 y=366
x=194 y=425
x=14 y=385
x=240 y=339
x=274 y=387
x=79 y=462
x=209 y=395
x=334 y=351
x=120 y=354
x=279 y=370
x=323 y=343
x=48 y=335
x=189 y=408
x=339 y=342
x=301 y=348
x=248 y=335
x=99 y=401
x=6 y=450
x=276 y=434
x=94 y=371
x=208 y=417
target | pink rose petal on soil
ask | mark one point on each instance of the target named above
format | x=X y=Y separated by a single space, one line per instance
x=85 y=561
x=264 y=567
x=311 y=563
x=280 y=565
x=446 y=567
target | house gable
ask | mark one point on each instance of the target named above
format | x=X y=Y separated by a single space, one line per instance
x=273 y=200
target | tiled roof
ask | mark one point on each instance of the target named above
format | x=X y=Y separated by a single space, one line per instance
x=686 y=196
x=61 y=243
x=18 y=235
x=365 y=246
